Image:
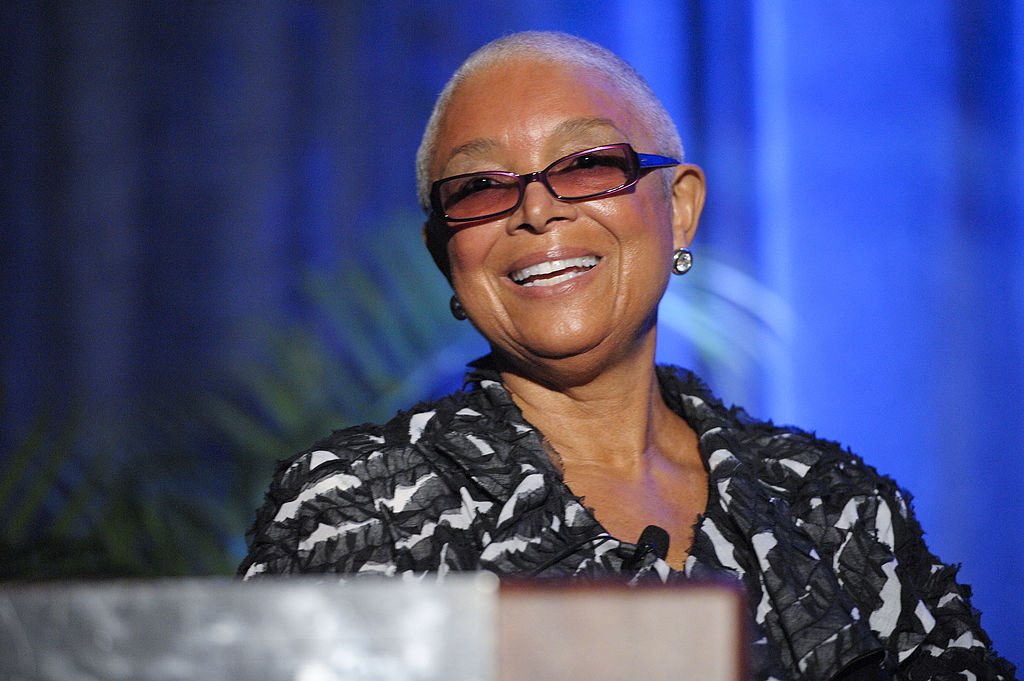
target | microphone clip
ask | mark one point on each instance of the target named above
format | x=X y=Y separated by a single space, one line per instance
x=653 y=540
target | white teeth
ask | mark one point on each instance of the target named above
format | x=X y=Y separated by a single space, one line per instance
x=554 y=280
x=542 y=268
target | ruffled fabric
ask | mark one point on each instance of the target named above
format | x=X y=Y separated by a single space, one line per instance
x=838 y=579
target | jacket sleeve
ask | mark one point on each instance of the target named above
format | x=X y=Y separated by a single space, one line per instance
x=955 y=647
x=319 y=516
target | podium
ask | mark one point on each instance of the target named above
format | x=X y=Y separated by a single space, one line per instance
x=464 y=628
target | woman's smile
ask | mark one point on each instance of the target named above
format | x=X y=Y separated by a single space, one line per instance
x=552 y=272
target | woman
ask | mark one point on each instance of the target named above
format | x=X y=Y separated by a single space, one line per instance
x=558 y=212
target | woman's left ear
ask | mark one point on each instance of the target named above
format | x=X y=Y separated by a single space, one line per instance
x=688 y=191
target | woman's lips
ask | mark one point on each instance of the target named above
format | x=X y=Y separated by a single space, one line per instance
x=552 y=272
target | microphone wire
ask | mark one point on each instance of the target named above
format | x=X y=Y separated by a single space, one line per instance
x=600 y=539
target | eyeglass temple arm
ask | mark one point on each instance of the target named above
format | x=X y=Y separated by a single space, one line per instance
x=655 y=161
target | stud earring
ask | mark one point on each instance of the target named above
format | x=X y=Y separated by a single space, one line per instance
x=458 y=311
x=682 y=261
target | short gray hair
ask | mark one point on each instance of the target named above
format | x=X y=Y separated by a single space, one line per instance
x=551 y=46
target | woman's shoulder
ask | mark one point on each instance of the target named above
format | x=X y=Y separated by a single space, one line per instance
x=368 y=449
x=333 y=506
x=370 y=460
x=814 y=459
x=823 y=505
x=786 y=457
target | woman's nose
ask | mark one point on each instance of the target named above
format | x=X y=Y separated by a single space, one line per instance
x=540 y=209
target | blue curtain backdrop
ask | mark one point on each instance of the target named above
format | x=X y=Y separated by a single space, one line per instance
x=172 y=171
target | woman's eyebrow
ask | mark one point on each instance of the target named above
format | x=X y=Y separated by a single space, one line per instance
x=479 y=145
x=578 y=125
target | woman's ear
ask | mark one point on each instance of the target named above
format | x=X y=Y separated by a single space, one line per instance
x=688 y=191
x=435 y=237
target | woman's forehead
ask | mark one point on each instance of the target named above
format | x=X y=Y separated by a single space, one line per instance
x=580 y=128
x=531 y=103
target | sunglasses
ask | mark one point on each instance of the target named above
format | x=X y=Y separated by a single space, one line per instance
x=587 y=174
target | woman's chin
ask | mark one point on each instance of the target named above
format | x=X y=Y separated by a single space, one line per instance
x=561 y=337
x=571 y=359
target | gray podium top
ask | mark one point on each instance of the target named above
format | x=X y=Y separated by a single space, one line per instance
x=365 y=630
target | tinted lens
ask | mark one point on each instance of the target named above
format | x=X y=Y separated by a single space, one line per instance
x=478 y=194
x=592 y=172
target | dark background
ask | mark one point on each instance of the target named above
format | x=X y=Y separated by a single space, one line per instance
x=211 y=255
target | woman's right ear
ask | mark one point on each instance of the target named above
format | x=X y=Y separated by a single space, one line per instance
x=436 y=234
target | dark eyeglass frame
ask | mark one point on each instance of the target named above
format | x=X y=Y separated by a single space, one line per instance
x=637 y=164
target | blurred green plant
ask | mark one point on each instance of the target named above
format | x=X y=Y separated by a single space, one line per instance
x=76 y=506
x=29 y=477
x=175 y=495
x=376 y=338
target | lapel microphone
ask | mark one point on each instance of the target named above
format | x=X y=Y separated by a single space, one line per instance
x=654 y=540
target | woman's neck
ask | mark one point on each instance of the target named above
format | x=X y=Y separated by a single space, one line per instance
x=617 y=421
x=621 y=449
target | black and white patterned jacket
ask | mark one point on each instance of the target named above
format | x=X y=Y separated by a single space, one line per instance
x=839 y=580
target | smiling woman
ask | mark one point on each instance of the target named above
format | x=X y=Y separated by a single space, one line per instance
x=558 y=208
x=566 y=330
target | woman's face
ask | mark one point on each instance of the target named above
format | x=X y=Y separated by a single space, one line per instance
x=611 y=256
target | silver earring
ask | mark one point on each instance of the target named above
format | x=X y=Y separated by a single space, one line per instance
x=682 y=261
x=458 y=311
